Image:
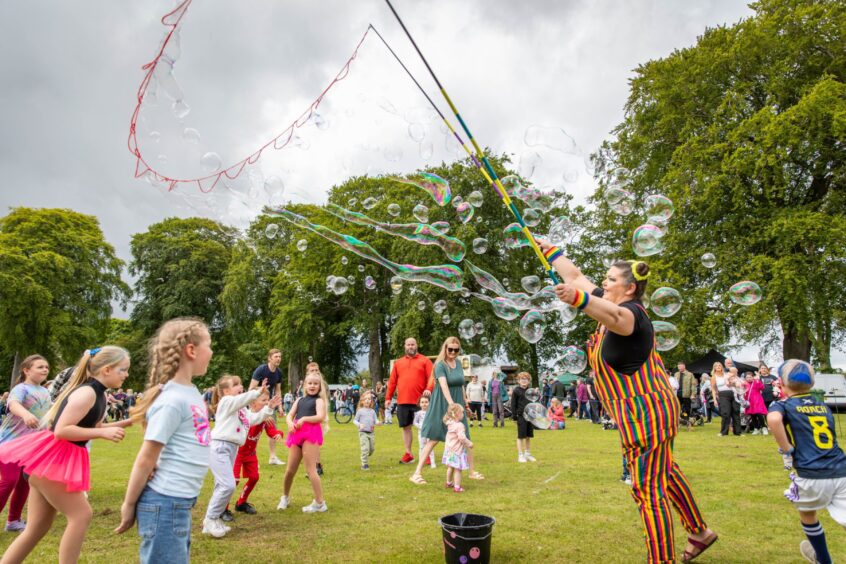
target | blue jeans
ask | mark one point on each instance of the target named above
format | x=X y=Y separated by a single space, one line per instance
x=164 y=525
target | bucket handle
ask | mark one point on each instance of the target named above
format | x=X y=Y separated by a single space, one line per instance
x=457 y=536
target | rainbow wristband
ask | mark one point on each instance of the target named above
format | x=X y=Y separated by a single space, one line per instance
x=552 y=254
x=581 y=300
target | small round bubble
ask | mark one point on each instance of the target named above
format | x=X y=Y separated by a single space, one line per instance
x=369 y=203
x=480 y=327
x=665 y=301
x=464 y=211
x=396 y=284
x=417 y=131
x=532 y=326
x=709 y=260
x=439 y=306
x=574 y=359
x=211 y=162
x=476 y=199
x=658 y=208
x=646 y=240
x=667 y=335
x=480 y=245
x=505 y=309
x=345 y=261
x=530 y=283
x=531 y=217
x=421 y=213
x=340 y=285
x=302 y=245
x=446 y=319
x=421 y=305
x=466 y=329
x=560 y=231
x=369 y=283
x=394 y=210
x=746 y=293
x=271 y=230
x=191 y=135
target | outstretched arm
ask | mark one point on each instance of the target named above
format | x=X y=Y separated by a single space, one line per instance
x=569 y=272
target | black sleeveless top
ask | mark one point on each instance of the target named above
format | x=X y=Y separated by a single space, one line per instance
x=94 y=415
x=307 y=406
x=627 y=353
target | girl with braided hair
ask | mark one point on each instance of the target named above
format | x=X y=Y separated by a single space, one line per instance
x=176 y=443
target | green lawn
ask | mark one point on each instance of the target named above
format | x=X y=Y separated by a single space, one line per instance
x=568 y=507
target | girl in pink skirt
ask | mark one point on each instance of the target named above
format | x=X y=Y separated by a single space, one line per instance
x=455 y=447
x=56 y=458
x=307 y=420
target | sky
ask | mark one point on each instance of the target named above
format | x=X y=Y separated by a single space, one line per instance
x=246 y=71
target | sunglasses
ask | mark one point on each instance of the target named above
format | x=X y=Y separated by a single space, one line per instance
x=450 y=349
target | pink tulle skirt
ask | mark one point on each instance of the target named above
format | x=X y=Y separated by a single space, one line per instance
x=311 y=432
x=42 y=454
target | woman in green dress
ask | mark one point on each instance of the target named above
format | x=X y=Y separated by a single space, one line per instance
x=449 y=377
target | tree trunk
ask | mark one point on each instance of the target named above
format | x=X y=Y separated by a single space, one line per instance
x=374 y=357
x=16 y=369
x=295 y=370
x=533 y=355
x=794 y=344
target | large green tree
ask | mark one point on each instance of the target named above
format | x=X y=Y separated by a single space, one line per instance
x=58 y=280
x=746 y=133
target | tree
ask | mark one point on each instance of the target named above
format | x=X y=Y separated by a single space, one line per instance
x=58 y=279
x=745 y=132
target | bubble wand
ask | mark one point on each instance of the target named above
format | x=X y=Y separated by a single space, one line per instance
x=491 y=174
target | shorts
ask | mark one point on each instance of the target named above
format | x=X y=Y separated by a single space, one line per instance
x=821 y=493
x=525 y=430
x=405 y=414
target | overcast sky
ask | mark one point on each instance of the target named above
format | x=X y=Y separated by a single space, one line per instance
x=248 y=69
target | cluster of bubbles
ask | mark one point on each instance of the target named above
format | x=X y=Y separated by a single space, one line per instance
x=338 y=285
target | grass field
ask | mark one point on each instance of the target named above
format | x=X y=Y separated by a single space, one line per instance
x=567 y=507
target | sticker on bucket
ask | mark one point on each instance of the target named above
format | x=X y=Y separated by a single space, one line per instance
x=467 y=538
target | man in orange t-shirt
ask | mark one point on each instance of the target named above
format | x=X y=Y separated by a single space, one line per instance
x=411 y=377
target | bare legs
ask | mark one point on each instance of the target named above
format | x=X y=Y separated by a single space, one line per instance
x=309 y=454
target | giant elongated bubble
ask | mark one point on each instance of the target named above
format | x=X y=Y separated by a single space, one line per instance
x=421 y=233
x=433 y=184
x=444 y=276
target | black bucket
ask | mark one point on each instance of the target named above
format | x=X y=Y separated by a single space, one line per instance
x=467 y=538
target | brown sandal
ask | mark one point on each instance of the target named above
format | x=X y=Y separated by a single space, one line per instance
x=699 y=546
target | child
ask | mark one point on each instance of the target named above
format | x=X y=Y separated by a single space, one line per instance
x=555 y=414
x=389 y=412
x=307 y=420
x=232 y=423
x=175 y=450
x=27 y=404
x=365 y=420
x=455 y=445
x=525 y=431
x=246 y=461
x=56 y=459
x=804 y=430
x=423 y=403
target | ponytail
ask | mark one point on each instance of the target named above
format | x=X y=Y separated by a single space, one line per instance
x=27 y=364
x=224 y=383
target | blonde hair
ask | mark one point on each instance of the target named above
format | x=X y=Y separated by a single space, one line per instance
x=720 y=365
x=526 y=375
x=442 y=354
x=555 y=401
x=223 y=383
x=165 y=350
x=364 y=398
x=26 y=364
x=324 y=395
x=87 y=367
x=454 y=413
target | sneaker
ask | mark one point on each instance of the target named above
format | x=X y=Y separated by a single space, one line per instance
x=808 y=551
x=432 y=461
x=315 y=507
x=765 y=431
x=214 y=527
x=283 y=502
x=274 y=460
x=227 y=516
x=365 y=467
x=628 y=481
x=16 y=526
x=529 y=457
x=246 y=508
x=407 y=458
x=521 y=458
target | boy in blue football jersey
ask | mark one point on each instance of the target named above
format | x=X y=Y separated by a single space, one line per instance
x=804 y=430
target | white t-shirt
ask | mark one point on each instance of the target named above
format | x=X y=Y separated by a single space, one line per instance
x=179 y=420
x=674 y=383
x=475 y=392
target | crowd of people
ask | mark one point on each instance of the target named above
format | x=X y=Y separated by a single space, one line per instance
x=44 y=437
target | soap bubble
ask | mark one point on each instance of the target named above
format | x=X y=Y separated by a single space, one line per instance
x=625 y=206
x=320 y=122
x=445 y=319
x=394 y=210
x=574 y=359
x=514 y=237
x=530 y=161
x=211 y=162
x=667 y=335
x=441 y=226
x=329 y=280
x=480 y=245
x=465 y=212
x=709 y=260
x=466 y=329
x=566 y=312
x=426 y=149
x=531 y=217
x=340 y=285
x=535 y=413
x=456 y=201
x=274 y=186
x=505 y=308
x=465 y=293
x=476 y=199
x=646 y=241
x=351 y=279
x=369 y=283
x=505 y=281
x=417 y=131
x=191 y=135
x=665 y=301
x=480 y=327
x=361 y=268
x=484 y=341
x=436 y=186
x=551 y=137
x=352 y=202
x=746 y=293
x=614 y=194
x=421 y=305
x=531 y=284
x=396 y=284
x=560 y=231
x=370 y=203
x=609 y=257
x=271 y=230
x=658 y=208
x=533 y=394
x=439 y=306
x=421 y=213
x=302 y=245
x=180 y=109
x=345 y=261
x=532 y=325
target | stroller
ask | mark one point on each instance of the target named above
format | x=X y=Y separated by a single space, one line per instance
x=696 y=417
x=608 y=423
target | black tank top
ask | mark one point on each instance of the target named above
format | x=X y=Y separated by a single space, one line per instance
x=307 y=406
x=94 y=415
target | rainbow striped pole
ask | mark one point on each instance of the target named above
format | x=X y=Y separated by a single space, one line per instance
x=485 y=167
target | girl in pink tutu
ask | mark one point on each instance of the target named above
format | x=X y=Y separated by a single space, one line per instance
x=175 y=451
x=307 y=420
x=56 y=458
x=455 y=447
x=27 y=404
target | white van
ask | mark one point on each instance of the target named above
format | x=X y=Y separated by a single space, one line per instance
x=834 y=386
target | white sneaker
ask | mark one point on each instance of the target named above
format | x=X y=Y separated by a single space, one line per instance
x=530 y=458
x=808 y=551
x=628 y=481
x=766 y=431
x=274 y=460
x=521 y=458
x=756 y=432
x=214 y=527
x=315 y=507
x=15 y=526
x=283 y=502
